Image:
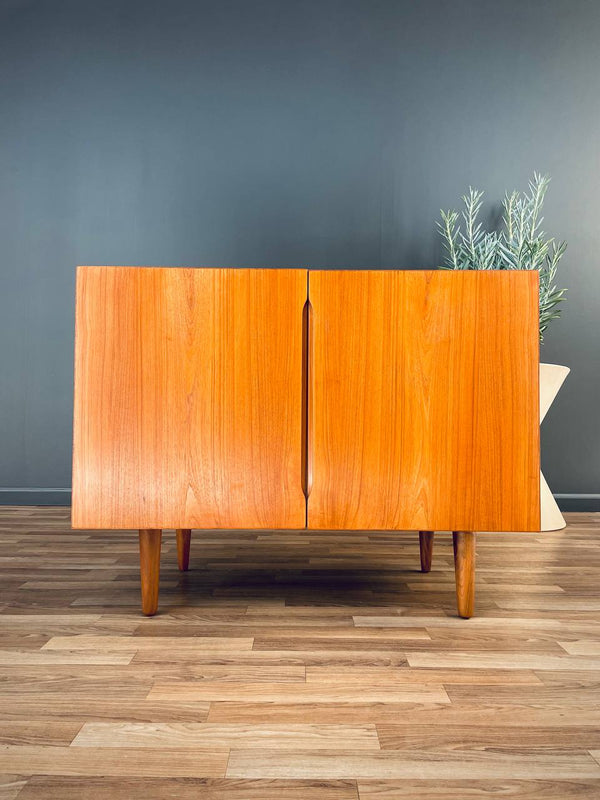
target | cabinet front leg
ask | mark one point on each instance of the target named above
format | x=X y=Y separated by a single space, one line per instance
x=426 y=547
x=183 y=548
x=150 y=569
x=464 y=570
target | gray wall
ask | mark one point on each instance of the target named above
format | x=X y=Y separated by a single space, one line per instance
x=281 y=133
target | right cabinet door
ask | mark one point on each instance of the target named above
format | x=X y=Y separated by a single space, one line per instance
x=423 y=400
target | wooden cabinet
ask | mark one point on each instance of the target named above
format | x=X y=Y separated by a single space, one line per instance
x=424 y=400
x=188 y=398
x=235 y=398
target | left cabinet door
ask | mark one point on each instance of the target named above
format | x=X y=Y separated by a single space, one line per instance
x=188 y=408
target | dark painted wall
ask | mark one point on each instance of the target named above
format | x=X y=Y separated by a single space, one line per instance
x=282 y=133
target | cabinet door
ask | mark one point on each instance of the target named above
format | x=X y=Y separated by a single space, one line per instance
x=188 y=398
x=424 y=400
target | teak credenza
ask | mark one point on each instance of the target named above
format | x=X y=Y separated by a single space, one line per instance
x=306 y=399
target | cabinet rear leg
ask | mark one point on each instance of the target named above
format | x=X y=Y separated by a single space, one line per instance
x=464 y=570
x=426 y=546
x=150 y=569
x=183 y=548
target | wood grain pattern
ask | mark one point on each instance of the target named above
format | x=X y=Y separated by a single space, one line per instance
x=90 y=788
x=282 y=656
x=387 y=764
x=426 y=387
x=150 y=541
x=125 y=761
x=426 y=549
x=183 y=536
x=187 y=735
x=188 y=398
x=464 y=568
x=477 y=789
x=299 y=693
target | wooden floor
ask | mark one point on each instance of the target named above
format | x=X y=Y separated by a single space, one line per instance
x=297 y=666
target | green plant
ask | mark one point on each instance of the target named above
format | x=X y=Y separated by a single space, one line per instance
x=520 y=244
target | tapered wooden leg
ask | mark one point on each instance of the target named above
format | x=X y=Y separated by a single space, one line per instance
x=183 y=548
x=150 y=569
x=426 y=545
x=464 y=570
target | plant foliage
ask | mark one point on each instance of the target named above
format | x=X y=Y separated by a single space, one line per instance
x=520 y=244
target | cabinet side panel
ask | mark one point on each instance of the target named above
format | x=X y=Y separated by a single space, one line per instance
x=427 y=410
x=188 y=398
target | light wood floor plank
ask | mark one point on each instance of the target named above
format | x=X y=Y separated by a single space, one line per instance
x=479 y=790
x=298 y=693
x=38 y=732
x=507 y=625
x=326 y=676
x=505 y=660
x=101 y=708
x=256 y=658
x=116 y=643
x=65 y=788
x=453 y=739
x=518 y=715
x=582 y=648
x=141 y=762
x=34 y=677
x=49 y=658
x=193 y=735
x=388 y=764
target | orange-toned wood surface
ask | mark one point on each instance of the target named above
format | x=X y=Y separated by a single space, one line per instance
x=464 y=571
x=150 y=542
x=188 y=398
x=425 y=400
